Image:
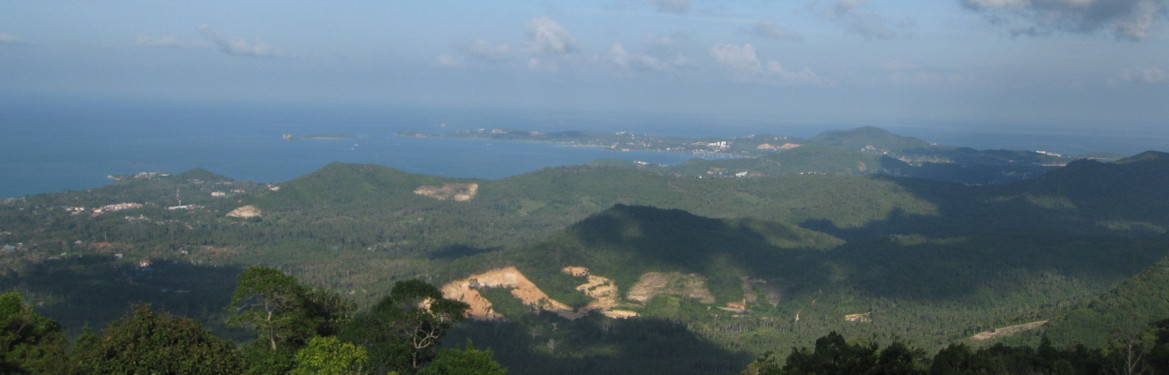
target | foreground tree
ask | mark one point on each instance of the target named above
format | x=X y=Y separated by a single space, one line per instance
x=1159 y=355
x=402 y=332
x=285 y=316
x=330 y=356
x=149 y=342
x=467 y=361
x=768 y=364
x=29 y=343
x=832 y=355
x=270 y=302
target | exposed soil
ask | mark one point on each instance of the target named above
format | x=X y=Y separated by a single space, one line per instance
x=859 y=318
x=1007 y=331
x=458 y=192
x=508 y=277
x=602 y=290
x=245 y=212
x=670 y=283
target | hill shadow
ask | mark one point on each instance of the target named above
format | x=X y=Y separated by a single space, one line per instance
x=625 y=241
x=92 y=291
x=598 y=345
x=1075 y=222
x=460 y=251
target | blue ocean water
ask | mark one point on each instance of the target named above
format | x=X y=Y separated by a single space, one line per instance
x=73 y=147
x=52 y=144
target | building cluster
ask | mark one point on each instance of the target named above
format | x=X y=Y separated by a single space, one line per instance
x=115 y=208
x=782 y=147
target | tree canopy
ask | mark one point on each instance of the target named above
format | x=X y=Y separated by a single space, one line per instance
x=145 y=341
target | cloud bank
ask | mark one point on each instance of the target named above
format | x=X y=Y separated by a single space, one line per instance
x=1126 y=19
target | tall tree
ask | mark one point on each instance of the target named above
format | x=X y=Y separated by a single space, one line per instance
x=402 y=332
x=272 y=303
x=282 y=311
x=832 y=355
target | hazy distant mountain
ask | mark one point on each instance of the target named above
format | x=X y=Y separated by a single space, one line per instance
x=871 y=138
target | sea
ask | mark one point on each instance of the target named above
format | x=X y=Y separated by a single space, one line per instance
x=52 y=145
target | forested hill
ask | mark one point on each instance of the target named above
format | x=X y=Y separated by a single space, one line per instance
x=1133 y=188
x=341 y=184
x=743 y=264
x=624 y=242
x=868 y=136
x=1121 y=313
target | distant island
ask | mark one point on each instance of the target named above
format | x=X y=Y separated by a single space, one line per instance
x=749 y=146
x=859 y=151
x=322 y=137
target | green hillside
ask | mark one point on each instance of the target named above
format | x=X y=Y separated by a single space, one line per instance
x=736 y=260
x=1119 y=313
x=625 y=242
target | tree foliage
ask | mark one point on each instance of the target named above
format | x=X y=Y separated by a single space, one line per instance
x=402 y=332
x=29 y=343
x=466 y=361
x=326 y=355
x=282 y=311
x=832 y=355
x=150 y=342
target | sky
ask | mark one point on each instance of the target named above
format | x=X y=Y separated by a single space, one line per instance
x=1035 y=64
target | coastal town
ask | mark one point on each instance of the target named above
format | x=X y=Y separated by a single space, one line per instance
x=625 y=141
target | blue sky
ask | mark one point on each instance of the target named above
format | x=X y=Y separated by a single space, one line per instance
x=1042 y=64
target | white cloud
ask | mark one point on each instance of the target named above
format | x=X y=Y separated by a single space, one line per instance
x=744 y=64
x=768 y=29
x=1126 y=19
x=238 y=46
x=671 y=6
x=6 y=38
x=1147 y=75
x=161 y=41
x=623 y=59
x=739 y=59
x=805 y=75
x=448 y=61
x=662 y=46
x=536 y=63
x=547 y=36
x=661 y=41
